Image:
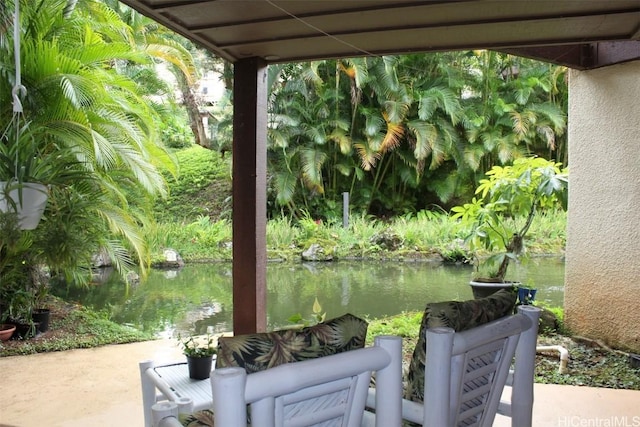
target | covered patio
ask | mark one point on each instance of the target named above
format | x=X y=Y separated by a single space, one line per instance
x=599 y=40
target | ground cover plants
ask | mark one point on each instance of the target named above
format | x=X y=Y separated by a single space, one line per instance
x=73 y=326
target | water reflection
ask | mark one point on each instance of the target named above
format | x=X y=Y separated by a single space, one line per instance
x=198 y=297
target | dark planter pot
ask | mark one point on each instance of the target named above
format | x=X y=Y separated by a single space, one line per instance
x=199 y=367
x=41 y=316
x=485 y=289
x=634 y=360
x=526 y=296
x=25 y=330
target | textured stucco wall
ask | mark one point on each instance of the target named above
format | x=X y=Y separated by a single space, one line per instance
x=602 y=274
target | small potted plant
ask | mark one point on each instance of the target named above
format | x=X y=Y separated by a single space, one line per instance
x=16 y=300
x=498 y=221
x=41 y=313
x=199 y=352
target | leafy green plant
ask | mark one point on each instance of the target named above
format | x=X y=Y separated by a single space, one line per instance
x=510 y=198
x=405 y=325
x=281 y=233
x=193 y=347
x=29 y=154
x=16 y=300
x=201 y=187
x=317 y=316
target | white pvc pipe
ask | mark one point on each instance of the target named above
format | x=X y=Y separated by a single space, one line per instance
x=165 y=414
x=564 y=355
x=18 y=89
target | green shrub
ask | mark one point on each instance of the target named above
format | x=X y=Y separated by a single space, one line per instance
x=201 y=187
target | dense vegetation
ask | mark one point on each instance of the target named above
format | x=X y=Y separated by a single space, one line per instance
x=403 y=133
x=85 y=127
x=197 y=224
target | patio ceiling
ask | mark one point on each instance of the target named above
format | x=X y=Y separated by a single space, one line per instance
x=580 y=34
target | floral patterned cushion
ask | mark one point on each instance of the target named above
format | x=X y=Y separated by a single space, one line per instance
x=200 y=418
x=257 y=352
x=459 y=316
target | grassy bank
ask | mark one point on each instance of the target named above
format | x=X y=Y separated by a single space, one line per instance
x=72 y=326
x=422 y=235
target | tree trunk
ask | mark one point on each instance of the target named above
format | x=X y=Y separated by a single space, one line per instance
x=195 y=121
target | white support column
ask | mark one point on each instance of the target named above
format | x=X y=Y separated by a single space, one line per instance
x=603 y=237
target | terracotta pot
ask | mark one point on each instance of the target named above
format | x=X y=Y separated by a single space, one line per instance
x=6 y=331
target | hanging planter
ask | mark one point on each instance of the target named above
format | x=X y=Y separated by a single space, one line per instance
x=17 y=193
x=28 y=200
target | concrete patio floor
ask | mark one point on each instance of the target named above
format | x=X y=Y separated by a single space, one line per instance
x=101 y=388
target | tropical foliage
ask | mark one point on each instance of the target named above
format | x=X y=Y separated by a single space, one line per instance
x=401 y=134
x=509 y=199
x=90 y=124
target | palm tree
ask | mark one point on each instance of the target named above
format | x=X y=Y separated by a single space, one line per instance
x=508 y=114
x=409 y=128
x=306 y=131
x=346 y=125
x=401 y=133
x=82 y=110
x=177 y=53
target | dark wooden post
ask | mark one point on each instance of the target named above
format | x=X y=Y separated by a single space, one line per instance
x=249 y=196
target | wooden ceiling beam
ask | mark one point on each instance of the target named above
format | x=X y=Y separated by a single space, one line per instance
x=583 y=56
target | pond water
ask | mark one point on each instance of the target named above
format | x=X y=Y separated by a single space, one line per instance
x=198 y=297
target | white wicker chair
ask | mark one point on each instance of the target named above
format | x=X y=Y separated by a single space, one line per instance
x=328 y=391
x=466 y=373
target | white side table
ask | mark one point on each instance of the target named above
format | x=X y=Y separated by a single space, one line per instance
x=171 y=382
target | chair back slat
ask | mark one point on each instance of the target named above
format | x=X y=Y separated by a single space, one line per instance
x=325 y=404
x=480 y=359
x=465 y=373
x=326 y=392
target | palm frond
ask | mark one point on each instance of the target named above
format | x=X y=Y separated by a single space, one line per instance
x=312 y=161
